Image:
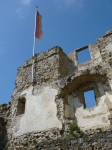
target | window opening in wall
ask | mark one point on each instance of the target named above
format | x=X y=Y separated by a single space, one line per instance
x=21 y=106
x=90 y=99
x=83 y=56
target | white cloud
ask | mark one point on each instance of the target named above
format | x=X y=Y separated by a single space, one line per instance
x=19 y=12
x=26 y=2
x=68 y=3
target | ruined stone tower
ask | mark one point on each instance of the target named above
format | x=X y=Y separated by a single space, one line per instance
x=46 y=108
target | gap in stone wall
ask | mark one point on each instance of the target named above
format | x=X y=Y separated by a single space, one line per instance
x=83 y=56
x=90 y=99
x=21 y=106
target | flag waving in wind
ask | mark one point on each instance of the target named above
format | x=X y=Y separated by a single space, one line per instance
x=38 y=31
x=38 y=34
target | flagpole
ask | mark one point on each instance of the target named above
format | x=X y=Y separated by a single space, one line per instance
x=34 y=47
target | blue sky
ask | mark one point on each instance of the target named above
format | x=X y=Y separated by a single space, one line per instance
x=69 y=24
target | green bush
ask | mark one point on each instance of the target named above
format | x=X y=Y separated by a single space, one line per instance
x=75 y=130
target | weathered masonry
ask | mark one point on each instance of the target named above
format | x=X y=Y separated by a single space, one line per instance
x=44 y=110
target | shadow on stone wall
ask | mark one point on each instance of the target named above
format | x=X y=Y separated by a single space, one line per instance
x=3 y=133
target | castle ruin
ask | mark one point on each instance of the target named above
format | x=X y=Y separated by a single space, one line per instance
x=44 y=110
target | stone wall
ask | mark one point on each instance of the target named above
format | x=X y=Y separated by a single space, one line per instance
x=4 y=124
x=48 y=65
x=92 y=140
x=40 y=113
x=55 y=139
